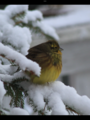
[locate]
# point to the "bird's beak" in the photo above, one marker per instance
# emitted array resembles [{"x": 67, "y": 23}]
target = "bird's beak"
[{"x": 61, "y": 49}]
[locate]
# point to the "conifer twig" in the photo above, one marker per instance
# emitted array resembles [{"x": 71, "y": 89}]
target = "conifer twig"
[
  {"x": 7, "y": 58},
  {"x": 70, "y": 109}
]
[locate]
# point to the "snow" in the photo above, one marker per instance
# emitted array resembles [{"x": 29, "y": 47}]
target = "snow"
[
  {"x": 55, "y": 102},
  {"x": 19, "y": 38},
  {"x": 48, "y": 30},
  {"x": 8, "y": 69},
  {"x": 78, "y": 16},
  {"x": 58, "y": 96},
  {"x": 18, "y": 111},
  {"x": 9, "y": 78},
  {"x": 9, "y": 12},
  {"x": 2, "y": 71},
  {"x": 2, "y": 92},
  {"x": 27, "y": 107},
  {"x": 23, "y": 62},
  {"x": 36, "y": 96},
  {"x": 6, "y": 101},
  {"x": 4, "y": 20},
  {"x": 15, "y": 9},
  {"x": 33, "y": 16}
]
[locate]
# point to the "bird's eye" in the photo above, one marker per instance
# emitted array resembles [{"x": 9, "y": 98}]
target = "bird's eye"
[{"x": 52, "y": 47}]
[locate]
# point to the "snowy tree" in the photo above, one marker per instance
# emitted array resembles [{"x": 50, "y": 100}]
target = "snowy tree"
[{"x": 17, "y": 95}]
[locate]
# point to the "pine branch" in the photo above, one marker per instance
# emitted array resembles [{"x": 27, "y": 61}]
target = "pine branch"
[
  {"x": 17, "y": 94},
  {"x": 34, "y": 29},
  {"x": 1, "y": 112},
  {"x": 7, "y": 58},
  {"x": 35, "y": 107},
  {"x": 18, "y": 17},
  {"x": 42, "y": 111},
  {"x": 4, "y": 111},
  {"x": 71, "y": 110},
  {"x": 32, "y": 104},
  {"x": 7, "y": 43},
  {"x": 18, "y": 80}
]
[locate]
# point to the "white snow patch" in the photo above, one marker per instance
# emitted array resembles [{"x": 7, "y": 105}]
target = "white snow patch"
[
  {"x": 8, "y": 69},
  {"x": 36, "y": 97},
  {"x": 18, "y": 111},
  {"x": 33, "y": 16},
  {"x": 19, "y": 37},
  {"x": 3, "y": 21},
  {"x": 9, "y": 78},
  {"x": 2, "y": 92},
  {"x": 6, "y": 101},
  {"x": 57, "y": 105},
  {"x": 27, "y": 106}
]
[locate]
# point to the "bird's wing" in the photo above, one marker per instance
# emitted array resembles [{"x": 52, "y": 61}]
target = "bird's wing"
[{"x": 39, "y": 56}]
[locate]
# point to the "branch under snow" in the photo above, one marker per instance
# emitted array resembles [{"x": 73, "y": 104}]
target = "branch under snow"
[
  {"x": 22, "y": 61},
  {"x": 33, "y": 16},
  {"x": 10, "y": 78},
  {"x": 16, "y": 9},
  {"x": 59, "y": 96},
  {"x": 19, "y": 38}
]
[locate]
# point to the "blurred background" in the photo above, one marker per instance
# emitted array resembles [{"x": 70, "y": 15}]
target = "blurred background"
[{"x": 72, "y": 24}]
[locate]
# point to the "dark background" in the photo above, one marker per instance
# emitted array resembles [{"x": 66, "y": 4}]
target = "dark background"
[{"x": 31, "y": 7}]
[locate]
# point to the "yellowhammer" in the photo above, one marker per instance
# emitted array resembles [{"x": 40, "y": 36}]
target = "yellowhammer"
[{"x": 48, "y": 55}]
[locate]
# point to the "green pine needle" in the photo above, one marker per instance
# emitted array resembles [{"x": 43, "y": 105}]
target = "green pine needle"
[{"x": 17, "y": 94}]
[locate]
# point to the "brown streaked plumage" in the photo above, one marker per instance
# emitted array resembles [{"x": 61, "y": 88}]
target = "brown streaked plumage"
[{"x": 48, "y": 55}]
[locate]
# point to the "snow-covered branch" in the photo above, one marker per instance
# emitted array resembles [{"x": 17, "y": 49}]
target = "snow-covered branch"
[
  {"x": 22, "y": 61},
  {"x": 48, "y": 30},
  {"x": 12, "y": 10},
  {"x": 33, "y": 16},
  {"x": 59, "y": 96}
]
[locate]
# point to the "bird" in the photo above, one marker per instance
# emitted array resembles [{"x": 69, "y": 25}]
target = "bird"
[{"x": 49, "y": 57}]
